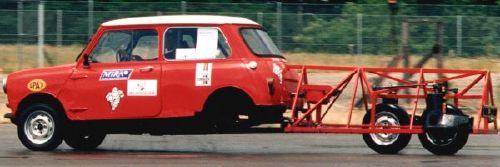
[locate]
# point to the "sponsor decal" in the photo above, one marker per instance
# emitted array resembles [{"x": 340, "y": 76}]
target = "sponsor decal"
[
  {"x": 142, "y": 87},
  {"x": 121, "y": 74},
  {"x": 114, "y": 97},
  {"x": 203, "y": 75},
  {"x": 278, "y": 71},
  {"x": 36, "y": 85}
]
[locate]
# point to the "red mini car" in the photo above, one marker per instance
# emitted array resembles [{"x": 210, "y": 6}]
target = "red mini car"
[{"x": 157, "y": 75}]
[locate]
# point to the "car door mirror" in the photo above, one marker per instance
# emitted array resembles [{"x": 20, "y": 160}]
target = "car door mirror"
[{"x": 86, "y": 61}]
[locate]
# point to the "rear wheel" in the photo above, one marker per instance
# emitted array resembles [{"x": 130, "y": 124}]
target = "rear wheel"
[
  {"x": 229, "y": 121},
  {"x": 446, "y": 141},
  {"x": 387, "y": 143},
  {"x": 224, "y": 109},
  {"x": 40, "y": 128}
]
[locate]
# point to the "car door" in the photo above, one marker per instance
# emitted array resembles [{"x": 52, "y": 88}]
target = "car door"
[
  {"x": 196, "y": 63},
  {"x": 122, "y": 78}
]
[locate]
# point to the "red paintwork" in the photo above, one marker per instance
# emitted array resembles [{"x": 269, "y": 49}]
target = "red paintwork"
[
  {"x": 317, "y": 96},
  {"x": 83, "y": 95}
]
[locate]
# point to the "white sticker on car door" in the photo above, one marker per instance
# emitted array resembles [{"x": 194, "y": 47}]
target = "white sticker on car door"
[
  {"x": 114, "y": 97},
  {"x": 137, "y": 87},
  {"x": 203, "y": 74}
]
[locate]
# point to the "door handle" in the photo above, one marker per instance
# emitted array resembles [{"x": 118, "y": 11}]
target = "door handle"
[
  {"x": 146, "y": 69},
  {"x": 78, "y": 76}
]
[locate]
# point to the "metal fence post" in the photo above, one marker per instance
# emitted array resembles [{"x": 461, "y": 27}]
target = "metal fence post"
[
  {"x": 183, "y": 7},
  {"x": 359, "y": 19},
  {"x": 41, "y": 40},
  {"x": 459, "y": 35},
  {"x": 59, "y": 28},
  {"x": 439, "y": 42},
  {"x": 279, "y": 26},
  {"x": 300, "y": 15},
  {"x": 20, "y": 19},
  {"x": 260, "y": 18},
  {"x": 91, "y": 18}
]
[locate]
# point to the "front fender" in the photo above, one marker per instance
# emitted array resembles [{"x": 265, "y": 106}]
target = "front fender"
[{"x": 22, "y": 84}]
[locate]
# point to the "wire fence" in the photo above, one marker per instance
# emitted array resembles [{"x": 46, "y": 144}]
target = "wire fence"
[{"x": 295, "y": 27}]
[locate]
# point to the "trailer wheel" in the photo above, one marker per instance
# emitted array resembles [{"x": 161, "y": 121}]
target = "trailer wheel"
[
  {"x": 84, "y": 141},
  {"x": 444, "y": 144},
  {"x": 40, "y": 128},
  {"x": 387, "y": 143}
]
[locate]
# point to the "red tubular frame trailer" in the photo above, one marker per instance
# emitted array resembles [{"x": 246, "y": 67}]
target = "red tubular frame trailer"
[{"x": 309, "y": 100}]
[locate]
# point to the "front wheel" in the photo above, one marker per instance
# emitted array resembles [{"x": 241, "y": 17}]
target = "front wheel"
[
  {"x": 40, "y": 128},
  {"x": 387, "y": 143},
  {"x": 84, "y": 141}
]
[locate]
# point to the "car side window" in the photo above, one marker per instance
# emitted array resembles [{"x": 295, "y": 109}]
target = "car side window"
[
  {"x": 124, "y": 46},
  {"x": 146, "y": 47},
  {"x": 195, "y": 43}
]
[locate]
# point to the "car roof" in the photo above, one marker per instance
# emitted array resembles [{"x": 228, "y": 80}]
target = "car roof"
[{"x": 179, "y": 19}]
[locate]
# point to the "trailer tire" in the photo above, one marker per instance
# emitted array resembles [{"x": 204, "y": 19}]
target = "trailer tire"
[
  {"x": 40, "y": 127},
  {"x": 387, "y": 143},
  {"x": 444, "y": 146}
]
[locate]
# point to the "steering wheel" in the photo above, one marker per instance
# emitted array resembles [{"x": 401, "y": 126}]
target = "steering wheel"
[
  {"x": 136, "y": 58},
  {"x": 121, "y": 55}
]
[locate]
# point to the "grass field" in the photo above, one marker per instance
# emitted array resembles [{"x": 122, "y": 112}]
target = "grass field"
[
  {"x": 9, "y": 60},
  {"x": 492, "y": 64}
]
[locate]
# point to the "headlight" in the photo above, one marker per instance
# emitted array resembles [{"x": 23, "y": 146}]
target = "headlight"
[{"x": 4, "y": 85}]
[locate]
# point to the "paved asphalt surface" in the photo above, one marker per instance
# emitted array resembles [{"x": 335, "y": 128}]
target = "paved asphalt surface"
[{"x": 243, "y": 150}]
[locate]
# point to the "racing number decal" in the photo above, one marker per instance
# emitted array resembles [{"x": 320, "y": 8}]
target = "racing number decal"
[
  {"x": 203, "y": 74},
  {"x": 36, "y": 85}
]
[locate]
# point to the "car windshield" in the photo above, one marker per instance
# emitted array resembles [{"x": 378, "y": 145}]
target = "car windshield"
[{"x": 260, "y": 43}]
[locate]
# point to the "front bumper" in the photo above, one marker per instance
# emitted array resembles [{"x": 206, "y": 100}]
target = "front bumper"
[{"x": 10, "y": 116}]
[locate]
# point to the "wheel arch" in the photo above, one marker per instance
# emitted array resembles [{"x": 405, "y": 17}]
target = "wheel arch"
[
  {"x": 228, "y": 91},
  {"x": 44, "y": 98},
  {"x": 229, "y": 94}
]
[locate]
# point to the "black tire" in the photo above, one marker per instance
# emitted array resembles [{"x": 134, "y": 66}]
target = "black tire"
[
  {"x": 395, "y": 142},
  {"x": 285, "y": 122},
  {"x": 84, "y": 140},
  {"x": 40, "y": 127},
  {"x": 448, "y": 144},
  {"x": 203, "y": 123},
  {"x": 224, "y": 109}
]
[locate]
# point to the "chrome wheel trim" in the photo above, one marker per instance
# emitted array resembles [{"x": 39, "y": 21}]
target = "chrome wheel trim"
[
  {"x": 39, "y": 127},
  {"x": 385, "y": 119}
]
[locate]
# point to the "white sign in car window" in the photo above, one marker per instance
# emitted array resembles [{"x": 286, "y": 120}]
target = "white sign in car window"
[
  {"x": 183, "y": 54},
  {"x": 206, "y": 43}
]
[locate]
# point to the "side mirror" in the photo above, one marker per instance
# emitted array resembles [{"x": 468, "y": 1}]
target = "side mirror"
[{"x": 86, "y": 61}]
